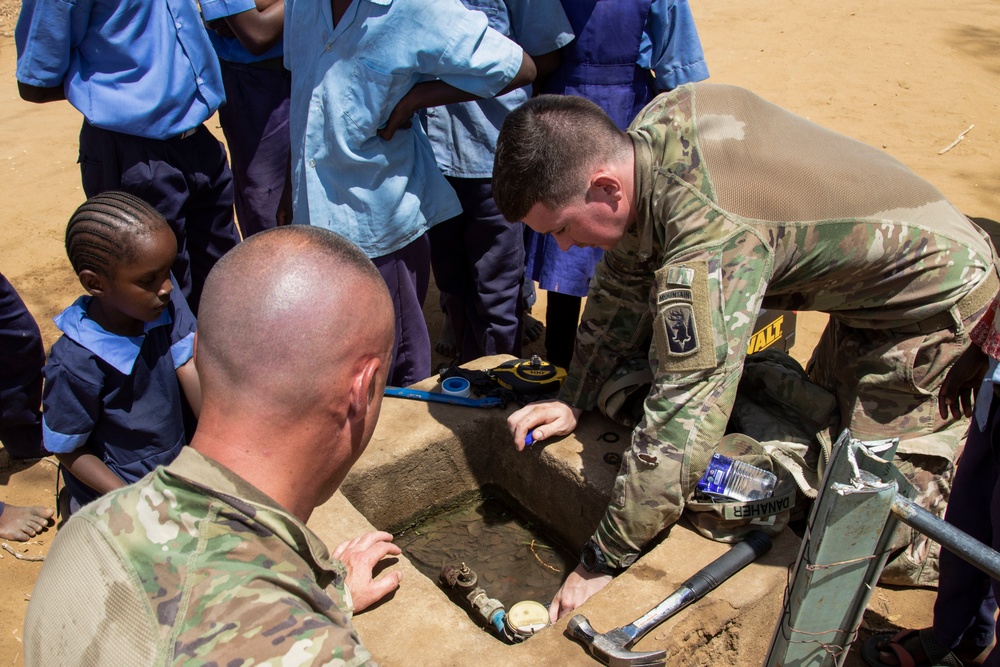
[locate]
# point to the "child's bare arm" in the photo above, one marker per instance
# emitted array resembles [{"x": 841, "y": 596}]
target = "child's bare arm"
[
  {"x": 437, "y": 93},
  {"x": 90, "y": 470},
  {"x": 40, "y": 95},
  {"x": 258, "y": 29},
  {"x": 187, "y": 376},
  {"x": 547, "y": 63}
]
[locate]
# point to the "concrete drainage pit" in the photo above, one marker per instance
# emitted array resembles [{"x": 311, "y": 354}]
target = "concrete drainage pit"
[
  {"x": 492, "y": 559},
  {"x": 428, "y": 455}
]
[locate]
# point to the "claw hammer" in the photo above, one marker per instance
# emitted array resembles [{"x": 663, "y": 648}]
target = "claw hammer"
[{"x": 613, "y": 647}]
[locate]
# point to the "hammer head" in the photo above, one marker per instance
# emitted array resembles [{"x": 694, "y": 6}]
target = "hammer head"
[{"x": 611, "y": 647}]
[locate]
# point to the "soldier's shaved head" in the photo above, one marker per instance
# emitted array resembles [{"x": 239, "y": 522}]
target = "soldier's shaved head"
[
  {"x": 546, "y": 150},
  {"x": 293, "y": 348},
  {"x": 286, "y": 312}
]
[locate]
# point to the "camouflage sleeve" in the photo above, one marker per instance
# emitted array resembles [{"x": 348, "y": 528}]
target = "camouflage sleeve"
[
  {"x": 705, "y": 304},
  {"x": 261, "y": 622},
  {"x": 616, "y": 323}
]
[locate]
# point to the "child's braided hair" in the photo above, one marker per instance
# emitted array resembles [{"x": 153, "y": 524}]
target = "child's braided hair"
[{"x": 103, "y": 231}]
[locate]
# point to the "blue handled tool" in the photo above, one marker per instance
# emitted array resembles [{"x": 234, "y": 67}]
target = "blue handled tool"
[{"x": 432, "y": 397}]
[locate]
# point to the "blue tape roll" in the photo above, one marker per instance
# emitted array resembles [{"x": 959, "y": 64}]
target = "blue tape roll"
[{"x": 456, "y": 386}]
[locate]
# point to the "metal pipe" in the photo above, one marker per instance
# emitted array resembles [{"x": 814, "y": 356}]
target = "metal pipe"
[{"x": 961, "y": 544}]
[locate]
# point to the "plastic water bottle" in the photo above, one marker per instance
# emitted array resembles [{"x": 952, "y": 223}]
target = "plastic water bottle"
[{"x": 736, "y": 480}]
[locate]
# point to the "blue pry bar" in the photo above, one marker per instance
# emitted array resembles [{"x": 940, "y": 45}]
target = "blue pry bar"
[{"x": 433, "y": 397}]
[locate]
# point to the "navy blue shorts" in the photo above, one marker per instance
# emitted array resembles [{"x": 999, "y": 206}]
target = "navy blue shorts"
[
  {"x": 20, "y": 376},
  {"x": 187, "y": 179}
]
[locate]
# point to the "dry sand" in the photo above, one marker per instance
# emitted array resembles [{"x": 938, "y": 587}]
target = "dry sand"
[{"x": 907, "y": 76}]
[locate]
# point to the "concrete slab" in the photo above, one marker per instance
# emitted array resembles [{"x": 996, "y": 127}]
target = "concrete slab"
[{"x": 425, "y": 454}]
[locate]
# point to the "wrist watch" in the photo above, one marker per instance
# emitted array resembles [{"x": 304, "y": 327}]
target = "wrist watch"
[{"x": 592, "y": 559}]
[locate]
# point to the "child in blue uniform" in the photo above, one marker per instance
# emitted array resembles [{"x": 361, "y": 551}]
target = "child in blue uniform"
[
  {"x": 111, "y": 404},
  {"x": 476, "y": 256},
  {"x": 20, "y": 397},
  {"x": 361, "y": 166},
  {"x": 146, "y": 78},
  {"x": 624, "y": 54},
  {"x": 255, "y": 115}
]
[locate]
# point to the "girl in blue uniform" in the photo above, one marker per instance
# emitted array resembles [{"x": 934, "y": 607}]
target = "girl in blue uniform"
[
  {"x": 112, "y": 404},
  {"x": 625, "y": 52}
]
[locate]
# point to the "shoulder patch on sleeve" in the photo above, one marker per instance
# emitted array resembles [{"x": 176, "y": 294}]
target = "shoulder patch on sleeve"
[
  {"x": 681, "y": 329},
  {"x": 683, "y": 325}
]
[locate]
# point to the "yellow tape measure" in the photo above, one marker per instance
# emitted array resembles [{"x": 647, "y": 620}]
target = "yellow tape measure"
[{"x": 530, "y": 376}]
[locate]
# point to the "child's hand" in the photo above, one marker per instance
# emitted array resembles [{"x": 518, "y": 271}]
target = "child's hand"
[{"x": 400, "y": 118}]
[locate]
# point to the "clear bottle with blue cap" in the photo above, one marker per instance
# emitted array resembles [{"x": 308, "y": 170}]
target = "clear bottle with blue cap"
[{"x": 732, "y": 479}]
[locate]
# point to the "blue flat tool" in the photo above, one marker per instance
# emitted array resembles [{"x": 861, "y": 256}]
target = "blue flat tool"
[{"x": 433, "y": 397}]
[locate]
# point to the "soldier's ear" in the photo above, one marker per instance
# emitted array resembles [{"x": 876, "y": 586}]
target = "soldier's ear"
[
  {"x": 365, "y": 392},
  {"x": 605, "y": 186}
]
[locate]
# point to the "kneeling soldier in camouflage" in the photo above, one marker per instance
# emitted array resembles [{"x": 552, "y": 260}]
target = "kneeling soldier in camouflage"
[{"x": 715, "y": 204}]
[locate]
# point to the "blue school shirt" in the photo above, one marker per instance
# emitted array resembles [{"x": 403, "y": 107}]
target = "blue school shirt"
[
  {"x": 229, "y": 48},
  {"x": 382, "y": 195},
  {"x": 464, "y": 136},
  {"x": 118, "y": 396},
  {"x": 134, "y": 66},
  {"x": 670, "y": 45}
]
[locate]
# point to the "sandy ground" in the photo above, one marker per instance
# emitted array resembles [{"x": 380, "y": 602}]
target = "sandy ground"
[{"x": 907, "y": 76}]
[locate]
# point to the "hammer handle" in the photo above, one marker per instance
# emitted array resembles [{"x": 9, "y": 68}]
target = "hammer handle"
[
  {"x": 702, "y": 582},
  {"x": 756, "y": 544}
]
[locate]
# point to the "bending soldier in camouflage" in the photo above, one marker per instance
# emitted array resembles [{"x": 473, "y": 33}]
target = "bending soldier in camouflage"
[
  {"x": 209, "y": 561},
  {"x": 714, "y": 204}
]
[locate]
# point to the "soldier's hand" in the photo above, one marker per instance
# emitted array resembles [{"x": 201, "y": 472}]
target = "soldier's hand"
[
  {"x": 576, "y": 590},
  {"x": 960, "y": 385},
  {"x": 361, "y": 555},
  {"x": 543, "y": 419}
]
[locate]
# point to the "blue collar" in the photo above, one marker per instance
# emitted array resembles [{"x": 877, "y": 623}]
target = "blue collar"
[{"x": 119, "y": 351}]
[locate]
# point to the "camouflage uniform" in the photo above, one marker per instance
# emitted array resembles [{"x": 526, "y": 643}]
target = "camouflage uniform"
[
  {"x": 742, "y": 205},
  {"x": 191, "y": 565}
]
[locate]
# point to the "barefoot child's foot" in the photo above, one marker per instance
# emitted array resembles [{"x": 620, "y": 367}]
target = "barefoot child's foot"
[{"x": 22, "y": 523}]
